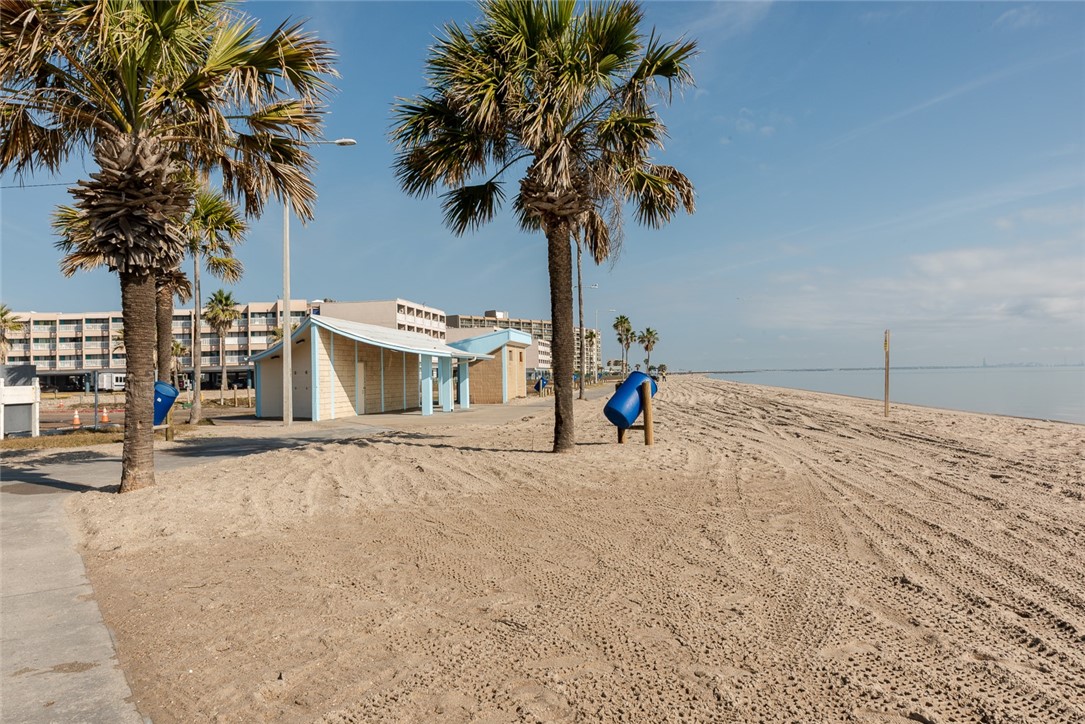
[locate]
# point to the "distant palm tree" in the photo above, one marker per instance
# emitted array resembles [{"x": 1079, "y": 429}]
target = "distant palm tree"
[
  {"x": 624, "y": 329},
  {"x": 178, "y": 350},
  {"x": 8, "y": 324},
  {"x": 167, "y": 285},
  {"x": 592, "y": 337},
  {"x": 222, "y": 312},
  {"x": 570, "y": 100},
  {"x": 276, "y": 334},
  {"x": 154, "y": 90},
  {"x": 648, "y": 339},
  {"x": 213, "y": 226}
]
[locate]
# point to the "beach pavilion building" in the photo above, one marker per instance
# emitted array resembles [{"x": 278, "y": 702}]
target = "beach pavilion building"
[
  {"x": 500, "y": 372},
  {"x": 343, "y": 368}
]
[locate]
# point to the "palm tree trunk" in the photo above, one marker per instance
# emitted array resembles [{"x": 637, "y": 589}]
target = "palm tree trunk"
[
  {"x": 560, "y": 263},
  {"x": 164, "y": 331},
  {"x": 138, "y": 311},
  {"x": 197, "y": 352},
  {"x": 580, "y": 304}
]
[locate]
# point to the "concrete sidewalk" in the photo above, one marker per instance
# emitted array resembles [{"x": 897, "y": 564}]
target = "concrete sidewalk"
[{"x": 57, "y": 658}]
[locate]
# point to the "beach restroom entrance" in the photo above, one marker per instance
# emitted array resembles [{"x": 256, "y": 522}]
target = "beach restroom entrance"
[{"x": 344, "y": 369}]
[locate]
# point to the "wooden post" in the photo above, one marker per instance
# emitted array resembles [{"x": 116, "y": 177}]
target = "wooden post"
[
  {"x": 35, "y": 410},
  {"x": 621, "y": 435},
  {"x": 169, "y": 425},
  {"x": 887, "y": 373},
  {"x": 646, "y": 406}
]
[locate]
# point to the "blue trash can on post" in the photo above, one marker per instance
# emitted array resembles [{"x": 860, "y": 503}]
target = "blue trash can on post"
[
  {"x": 624, "y": 407},
  {"x": 165, "y": 395}
]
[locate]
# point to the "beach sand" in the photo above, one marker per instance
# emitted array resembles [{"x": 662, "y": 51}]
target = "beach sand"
[{"x": 775, "y": 556}]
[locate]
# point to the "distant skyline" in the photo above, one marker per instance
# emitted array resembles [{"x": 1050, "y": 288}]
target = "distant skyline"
[{"x": 858, "y": 166}]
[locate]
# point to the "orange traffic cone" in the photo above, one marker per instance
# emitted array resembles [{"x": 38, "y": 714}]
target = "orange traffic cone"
[
  {"x": 104, "y": 418},
  {"x": 75, "y": 419}
]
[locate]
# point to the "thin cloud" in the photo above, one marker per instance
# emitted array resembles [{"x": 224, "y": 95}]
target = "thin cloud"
[
  {"x": 1039, "y": 284},
  {"x": 949, "y": 95},
  {"x": 720, "y": 21},
  {"x": 1018, "y": 18}
]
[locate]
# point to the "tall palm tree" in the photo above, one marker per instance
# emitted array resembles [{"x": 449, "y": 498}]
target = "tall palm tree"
[
  {"x": 592, "y": 338},
  {"x": 624, "y": 329},
  {"x": 569, "y": 99},
  {"x": 178, "y": 350},
  {"x": 648, "y": 339},
  {"x": 8, "y": 324},
  {"x": 213, "y": 227},
  {"x": 167, "y": 285},
  {"x": 222, "y": 312},
  {"x": 153, "y": 90}
]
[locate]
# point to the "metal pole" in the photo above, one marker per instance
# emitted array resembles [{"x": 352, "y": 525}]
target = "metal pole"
[
  {"x": 598, "y": 346},
  {"x": 887, "y": 373},
  {"x": 288, "y": 387}
]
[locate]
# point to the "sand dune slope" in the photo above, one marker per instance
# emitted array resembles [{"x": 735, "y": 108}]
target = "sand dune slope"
[{"x": 776, "y": 556}]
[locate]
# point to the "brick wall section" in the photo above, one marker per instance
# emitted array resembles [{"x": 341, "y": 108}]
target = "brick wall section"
[
  {"x": 517, "y": 372},
  {"x": 397, "y": 366},
  {"x": 394, "y": 372},
  {"x": 343, "y": 379},
  {"x": 485, "y": 376}
]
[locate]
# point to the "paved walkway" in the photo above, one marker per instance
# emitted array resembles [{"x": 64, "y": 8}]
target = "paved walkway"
[{"x": 57, "y": 657}]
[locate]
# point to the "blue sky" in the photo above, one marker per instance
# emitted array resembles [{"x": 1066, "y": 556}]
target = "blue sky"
[{"x": 859, "y": 166}]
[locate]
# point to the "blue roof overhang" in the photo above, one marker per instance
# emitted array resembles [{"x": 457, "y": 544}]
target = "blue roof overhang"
[
  {"x": 485, "y": 343},
  {"x": 392, "y": 339}
]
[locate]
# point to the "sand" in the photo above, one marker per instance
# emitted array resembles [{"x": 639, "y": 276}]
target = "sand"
[{"x": 775, "y": 556}]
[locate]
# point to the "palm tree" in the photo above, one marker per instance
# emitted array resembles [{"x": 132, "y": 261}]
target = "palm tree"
[
  {"x": 154, "y": 90},
  {"x": 8, "y": 324},
  {"x": 222, "y": 312},
  {"x": 213, "y": 227},
  {"x": 592, "y": 336},
  {"x": 276, "y": 333},
  {"x": 167, "y": 285},
  {"x": 624, "y": 329},
  {"x": 177, "y": 350},
  {"x": 648, "y": 339},
  {"x": 570, "y": 100}
]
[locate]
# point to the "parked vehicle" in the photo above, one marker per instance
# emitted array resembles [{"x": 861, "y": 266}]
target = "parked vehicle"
[{"x": 111, "y": 381}]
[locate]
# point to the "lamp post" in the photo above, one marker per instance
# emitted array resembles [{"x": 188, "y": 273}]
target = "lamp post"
[
  {"x": 601, "y": 338},
  {"x": 288, "y": 343},
  {"x": 597, "y": 357}
]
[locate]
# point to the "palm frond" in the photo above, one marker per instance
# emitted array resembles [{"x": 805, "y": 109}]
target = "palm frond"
[{"x": 468, "y": 207}]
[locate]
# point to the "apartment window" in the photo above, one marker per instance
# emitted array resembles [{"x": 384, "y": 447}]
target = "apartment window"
[
  {"x": 17, "y": 360},
  {"x": 521, "y": 355},
  {"x": 115, "y": 320},
  {"x": 69, "y": 323},
  {"x": 38, "y": 323}
]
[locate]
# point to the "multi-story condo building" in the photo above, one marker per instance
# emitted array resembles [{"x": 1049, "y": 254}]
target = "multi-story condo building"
[
  {"x": 392, "y": 313},
  {"x": 66, "y": 346},
  {"x": 542, "y": 329}
]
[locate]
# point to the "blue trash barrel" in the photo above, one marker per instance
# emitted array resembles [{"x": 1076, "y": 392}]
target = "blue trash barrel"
[
  {"x": 165, "y": 395},
  {"x": 623, "y": 409}
]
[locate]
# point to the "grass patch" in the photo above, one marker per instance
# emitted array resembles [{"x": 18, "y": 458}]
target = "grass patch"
[{"x": 81, "y": 438}]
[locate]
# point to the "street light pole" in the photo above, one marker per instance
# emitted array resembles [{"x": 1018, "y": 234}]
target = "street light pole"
[{"x": 288, "y": 342}]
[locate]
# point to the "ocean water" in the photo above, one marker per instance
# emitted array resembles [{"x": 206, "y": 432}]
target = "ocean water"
[{"x": 1046, "y": 393}]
